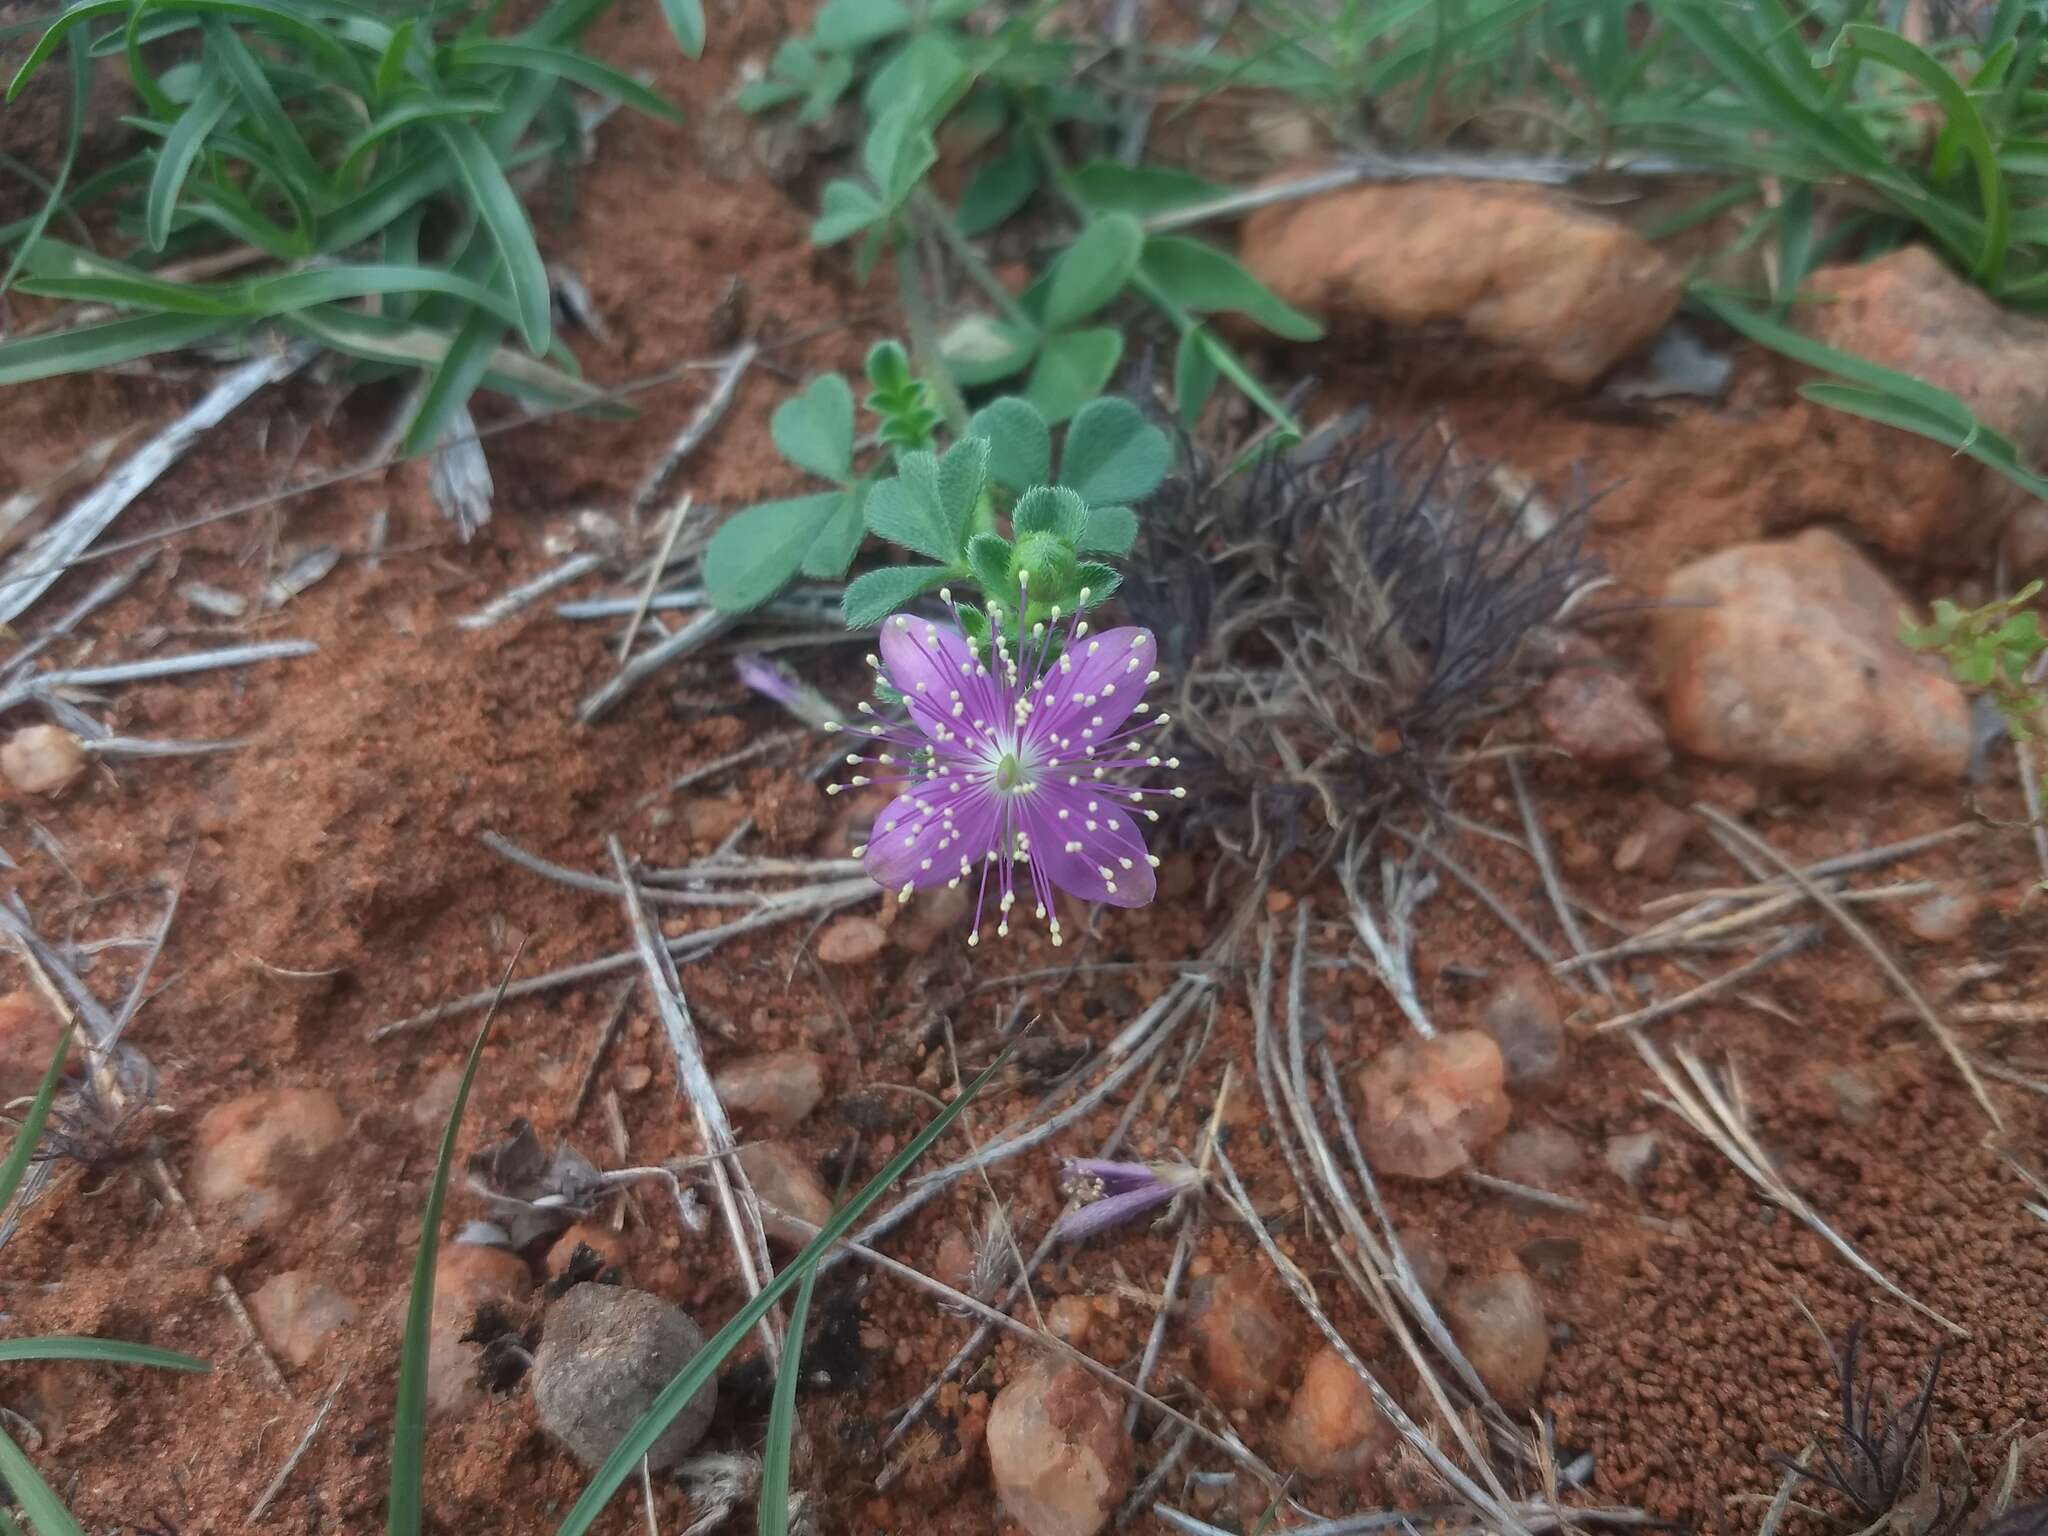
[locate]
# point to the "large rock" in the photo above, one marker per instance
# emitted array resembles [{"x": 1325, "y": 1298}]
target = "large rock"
[
  {"x": 1432, "y": 1105},
  {"x": 1912, "y": 312},
  {"x": 777, "y": 1088},
  {"x": 1520, "y": 267},
  {"x": 262, "y": 1158},
  {"x": 606, "y": 1353},
  {"x": 1785, "y": 655},
  {"x": 1057, "y": 1451}
]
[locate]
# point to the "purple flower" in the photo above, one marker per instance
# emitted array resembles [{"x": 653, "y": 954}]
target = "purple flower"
[
  {"x": 1111, "y": 1193},
  {"x": 1021, "y": 762},
  {"x": 774, "y": 681}
]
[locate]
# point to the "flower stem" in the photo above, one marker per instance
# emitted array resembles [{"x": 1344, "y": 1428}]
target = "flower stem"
[
  {"x": 978, "y": 271},
  {"x": 924, "y": 340}
]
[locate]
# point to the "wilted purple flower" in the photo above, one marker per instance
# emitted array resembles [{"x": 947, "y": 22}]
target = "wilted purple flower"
[
  {"x": 772, "y": 680},
  {"x": 1111, "y": 1193},
  {"x": 1019, "y": 762}
]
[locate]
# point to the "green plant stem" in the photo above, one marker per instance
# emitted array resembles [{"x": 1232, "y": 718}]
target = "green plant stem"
[
  {"x": 924, "y": 340},
  {"x": 978, "y": 271}
]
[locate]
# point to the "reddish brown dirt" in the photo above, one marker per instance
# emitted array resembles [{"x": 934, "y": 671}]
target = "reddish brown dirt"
[{"x": 343, "y": 846}]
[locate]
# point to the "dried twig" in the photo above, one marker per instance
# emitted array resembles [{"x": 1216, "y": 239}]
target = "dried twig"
[
  {"x": 671, "y": 531},
  {"x": 1863, "y": 936},
  {"x": 46, "y": 683},
  {"x": 1798, "y": 939},
  {"x": 291, "y": 1462},
  {"x": 1402, "y": 891},
  {"x": 730, "y": 370},
  {"x": 700, "y": 631},
  {"x": 512, "y": 599}
]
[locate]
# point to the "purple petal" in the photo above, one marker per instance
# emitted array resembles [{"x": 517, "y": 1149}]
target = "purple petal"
[
  {"x": 1113, "y": 1175},
  {"x": 922, "y": 836},
  {"x": 766, "y": 679},
  {"x": 1088, "y": 701},
  {"x": 1087, "y": 1220},
  {"x": 928, "y": 664},
  {"x": 1111, "y": 864}
]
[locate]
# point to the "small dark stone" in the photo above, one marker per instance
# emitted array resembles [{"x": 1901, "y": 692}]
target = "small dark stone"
[{"x": 604, "y": 1357}]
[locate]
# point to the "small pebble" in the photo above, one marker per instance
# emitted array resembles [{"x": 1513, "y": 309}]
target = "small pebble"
[
  {"x": 1653, "y": 847},
  {"x": 41, "y": 759},
  {"x": 1543, "y": 1156},
  {"x": 1070, "y": 1318},
  {"x": 260, "y": 1158},
  {"x": 1243, "y": 1339},
  {"x": 605, "y": 1354},
  {"x": 1632, "y": 1157},
  {"x": 1425, "y": 1257},
  {"x": 783, "y": 1177},
  {"x": 1332, "y": 1429},
  {"x": 777, "y": 1088},
  {"x": 435, "y": 1099},
  {"x": 931, "y": 917},
  {"x": 1057, "y": 1451},
  {"x": 466, "y": 1276},
  {"x": 1857, "y": 1097},
  {"x": 1498, "y": 1322},
  {"x": 634, "y": 1076},
  {"x": 1522, "y": 1017},
  {"x": 1430, "y": 1105},
  {"x": 1944, "y": 917},
  {"x": 296, "y": 1312},
  {"x": 851, "y": 940}
]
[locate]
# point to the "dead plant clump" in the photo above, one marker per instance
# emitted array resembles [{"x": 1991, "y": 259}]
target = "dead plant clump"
[{"x": 1340, "y": 620}]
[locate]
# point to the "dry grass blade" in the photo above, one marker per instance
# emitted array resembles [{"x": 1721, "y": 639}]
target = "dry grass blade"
[
  {"x": 1713, "y": 987},
  {"x": 1705, "y": 1106},
  {"x": 1863, "y": 936},
  {"x": 1402, "y": 891}
]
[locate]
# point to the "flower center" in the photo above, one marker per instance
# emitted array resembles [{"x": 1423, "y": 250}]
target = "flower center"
[{"x": 1012, "y": 777}]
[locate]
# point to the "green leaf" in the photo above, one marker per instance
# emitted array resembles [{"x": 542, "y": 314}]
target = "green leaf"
[
  {"x": 75, "y": 16},
  {"x": 872, "y": 597},
  {"x": 844, "y": 25},
  {"x": 453, "y": 381},
  {"x": 1019, "y": 443},
  {"x": 253, "y": 86},
  {"x": 754, "y": 554},
  {"x": 1093, "y": 270},
  {"x": 832, "y": 551},
  {"x": 1054, "y": 509},
  {"x": 992, "y": 559},
  {"x": 74, "y": 125},
  {"x": 1110, "y": 531},
  {"x": 685, "y": 19},
  {"x": 45, "y": 1511},
  {"x": 98, "y": 1352},
  {"x": 963, "y": 476},
  {"x": 86, "y": 347},
  {"x": 814, "y": 430},
  {"x": 264, "y": 297},
  {"x": 23, "y": 1151},
  {"x": 409, "y": 1414},
  {"x": 569, "y": 64},
  {"x": 1113, "y": 453},
  {"x": 174, "y": 160},
  {"x": 980, "y": 349},
  {"x": 773, "y": 1500},
  {"x": 1099, "y": 581},
  {"x": 897, "y": 152},
  {"x": 640, "y": 1439},
  {"x": 1071, "y": 370},
  {"x": 1000, "y": 188},
  {"x": 391, "y": 67},
  {"x": 1194, "y": 375},
  {"x": 1202, "y": 278},
  {"x": 498, "y": 205},
  {"x": 845, "y": 209},
  {"x": 1109, "y": 186}
]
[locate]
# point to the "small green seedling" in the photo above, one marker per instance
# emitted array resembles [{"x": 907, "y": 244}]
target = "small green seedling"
[{"x": 1990, "y": 649}]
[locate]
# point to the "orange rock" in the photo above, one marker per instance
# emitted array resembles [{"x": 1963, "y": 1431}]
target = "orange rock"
[
  {"x": 783, "y": 1177},
  {"x": 1243, "y": 1339},
  {"x": 776, "y": 1088},
  {"x": 1498, "y": 1322},
  {"x": 466, "y": 1276},
  {"x": 1332, "y": 1429},
  {"x": 612, "y": 1248},
  {"x": 1057, "y": 1451},
  {"x": 42, "y": 759},
  {"x": 297, "y": 1312},
  {"x": 851, "y": 940},
  {"x": 263, "y": 1157},
  {"x": 1431, "y": 1105}
]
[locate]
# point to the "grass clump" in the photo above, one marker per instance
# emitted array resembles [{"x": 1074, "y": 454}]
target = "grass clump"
[{"x": 359, "y": 166}]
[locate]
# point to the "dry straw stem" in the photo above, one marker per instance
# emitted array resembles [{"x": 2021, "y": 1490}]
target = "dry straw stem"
[
  {"x": 1402, "y": 891},
  {"x": 291, "y": 1462},
  {"x": 510, "y": 601},
  {"x": 693, "y": 1080},
  {"x": 1863, "y": 936},
  {"x": 700, "y": 631},
  {"x": 1722, "y": 1118},
  {"x": 1798, "y": 939},
  {"x": 671, "y": 530},
  {"x": 731, "y": 368}
]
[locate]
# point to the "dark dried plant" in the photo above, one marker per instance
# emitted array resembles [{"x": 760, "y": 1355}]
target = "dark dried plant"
[
  {"x": 1338, "y": 618},
  {"x": 1882, "y": 1464}
]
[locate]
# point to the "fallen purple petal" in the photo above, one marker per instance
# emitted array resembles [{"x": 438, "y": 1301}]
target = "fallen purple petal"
[{"x": 1098, "y": 1216}]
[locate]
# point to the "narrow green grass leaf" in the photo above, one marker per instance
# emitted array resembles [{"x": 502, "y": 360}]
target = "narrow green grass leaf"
[
  {"x": 46, "y": 45},
  {"x": 774, "y": 1499},
  {"x": 499, "y": 207},
  {"x": 264, "y": 297},
  {"x": 620, "y": 1464},
  {"x": 81, "y": 83},
  {"x": 1963, "y": 122},
  {"x": 391, "y": 68},
  {"x": 1980, "y": 442},
  {"x": 87, "y": 347},
  {"x": 469, "y": 358},
  {"x": 174, "y": 160},
  {"x": 23, "y": 1151},
  {"x": 99, "y": 1352},
  {"x": 685, "y": 18},
  {"x": 396, "y": 343},
  {"x": 257, "y": 94},
  {"x": 409, "y": 1417},
  {"x": 568, "y": 64},
  {"x": 45, "y": 1511}
]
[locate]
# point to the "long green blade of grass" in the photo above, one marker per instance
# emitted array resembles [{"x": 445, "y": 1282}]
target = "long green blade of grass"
[
  {"x": 620, "y": 1464},
  {"x": 264, "y": 297},
  {"x": 409, "y": 1417},
  {"x": 774, "y": 1500},
  {"x": 498, "y": 205},
  {"x": 46, "y": 1512},
  {"x": 81, "y": 83},
  {"x": 174, "y": 161},
  {"x": 571, "y": 65},
  {"x": 46, "y": 45},
  {"x": 100, "y": 346},
  {"x": 99, "y": 1352},
  {"x": 257, "y": 94},
  {"x": 15, "y": 1169}
]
